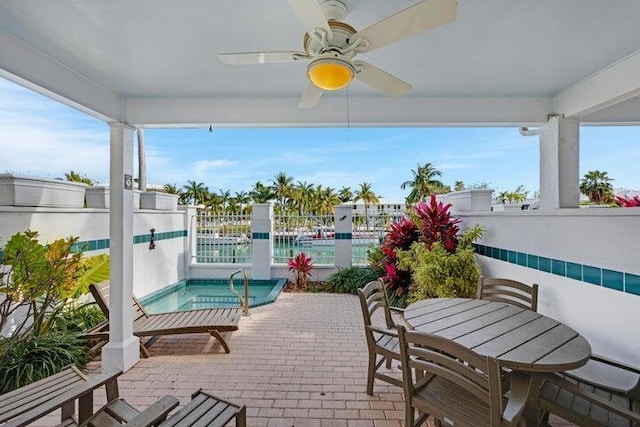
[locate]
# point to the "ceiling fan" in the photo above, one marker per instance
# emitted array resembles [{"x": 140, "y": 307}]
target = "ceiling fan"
[{"x": 330, "y": 45}]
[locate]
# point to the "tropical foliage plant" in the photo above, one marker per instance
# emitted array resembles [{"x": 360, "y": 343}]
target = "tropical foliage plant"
[
  {"x": 348, "y": 280},
  {"x": 301, "y": 266},
  {"x": 33, "y": 357},
  {"x": 628, "y": 202},
  {"x": 429, "y": 234}
]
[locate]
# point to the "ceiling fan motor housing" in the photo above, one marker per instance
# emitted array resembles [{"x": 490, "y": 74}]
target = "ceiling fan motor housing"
[{"x": 342, "y": 37}]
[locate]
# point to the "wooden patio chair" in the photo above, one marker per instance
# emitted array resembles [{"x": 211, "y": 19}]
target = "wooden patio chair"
[
  {"x": 212, "y": 321},
  {"x": 509, "y": 291},
  {"x": 381, "y": 342},
  {"x": 454, "y": 384},
  {"x": 590, "y": 403},
  {"x": 60, "y": 391}
]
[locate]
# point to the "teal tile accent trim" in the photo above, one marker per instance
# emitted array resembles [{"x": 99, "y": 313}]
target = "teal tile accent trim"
[
  {"x": 101, "y": 244},
  {"x": 574, "y": 271},
  {"x": 592, "y": 275},
  {"x": 558, "y": 267},
  {"x": 544, "y": 264},
  {"x": 260, "y": 236},
  {"x": 632, "y": 283},
  {"x": 344, "y": 236},
  {"x": 611, "y": 279}
]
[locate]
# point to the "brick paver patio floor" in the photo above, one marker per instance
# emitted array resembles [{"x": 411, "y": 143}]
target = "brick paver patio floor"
[{"x": 298, "y": 362}]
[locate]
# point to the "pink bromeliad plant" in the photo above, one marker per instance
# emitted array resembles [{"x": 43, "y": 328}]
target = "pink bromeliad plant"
[
  {"x": 301, "y": 266},
  {"x": 628, "y": 202},
  {"x": 424, "y": 243}
]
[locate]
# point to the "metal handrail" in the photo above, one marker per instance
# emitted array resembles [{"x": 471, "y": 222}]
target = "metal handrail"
[{"x": 243, "y": 303}]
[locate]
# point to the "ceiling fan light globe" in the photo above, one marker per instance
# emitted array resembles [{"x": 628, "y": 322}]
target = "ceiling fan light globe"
[{"x": 331, "y": 73}]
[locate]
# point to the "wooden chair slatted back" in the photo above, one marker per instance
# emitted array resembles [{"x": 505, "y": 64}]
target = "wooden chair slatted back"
[
  {"x": 373, "y": 297},
  {"x": 435, "y": 356},
  {"x": 508, "y": 291}
]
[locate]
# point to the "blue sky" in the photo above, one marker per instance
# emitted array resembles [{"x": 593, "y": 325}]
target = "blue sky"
[{"x": 41, "y": 137}]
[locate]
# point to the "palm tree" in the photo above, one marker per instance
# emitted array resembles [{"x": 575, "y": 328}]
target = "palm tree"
[
  {"x": 423, "y": 184},
  {"x": 327, "y": 200},
  {"x": 76, "y": 177},
  {"x": 171, "y": 189},
  {"x": 366, "y": 194},
  {"x": 195, "y": 192},
  {"x": 597, "y": 186},
  {"x": 459, "y": 186},
  {"x": 282, "y": 186},
  {"x": 302, "y": 196},
  {"x": 345, "y": 194},
  {"x": 260, "y": 193},
  {"x": 243, "y": 199},
  {"x": 224, "y": 198}
]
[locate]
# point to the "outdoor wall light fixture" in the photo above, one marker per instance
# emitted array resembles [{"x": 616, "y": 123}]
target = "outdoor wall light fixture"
[
  {"x": 152, "y": 240},
  {"x": 210, "y": 128},
  {"x": 331, "y": 72}
]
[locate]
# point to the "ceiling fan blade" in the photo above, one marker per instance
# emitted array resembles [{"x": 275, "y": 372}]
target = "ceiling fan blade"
[
  {"x": 381, "y": 80},
  {"x": 310, "y": 97},
  {"x": 420, "y": 17},
  {"x": 248, "y": 58},
  {"x": 311, "y": 16}
]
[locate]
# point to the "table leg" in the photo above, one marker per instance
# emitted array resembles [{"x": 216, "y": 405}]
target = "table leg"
[{"x": 532, "y": 410}]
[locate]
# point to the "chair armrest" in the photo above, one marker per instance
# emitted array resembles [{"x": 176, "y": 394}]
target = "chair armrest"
[
  {"x": 397, "y": 309},
  {"x": 518, "y": 396},
  {"x": 383, "y": 331},
  {"x": 155, "y": 413},
  {"x": 591, "y": 397}
]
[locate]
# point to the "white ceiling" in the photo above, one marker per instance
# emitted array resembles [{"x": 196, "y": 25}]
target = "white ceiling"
[{"x": 153, "y": 62}]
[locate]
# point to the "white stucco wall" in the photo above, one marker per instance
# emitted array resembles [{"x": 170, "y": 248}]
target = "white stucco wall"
[
  {"x": 152, "y": 269},
  {"x": 604, "y": 238}
]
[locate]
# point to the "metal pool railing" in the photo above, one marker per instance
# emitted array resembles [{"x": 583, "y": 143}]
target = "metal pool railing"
[
  {"x": 369, "y": 232},
  {"x": 223, "y": 238}
]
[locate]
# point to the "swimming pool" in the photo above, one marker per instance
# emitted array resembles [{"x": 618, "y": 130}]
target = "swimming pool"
[{"x": 192, "y": 294}]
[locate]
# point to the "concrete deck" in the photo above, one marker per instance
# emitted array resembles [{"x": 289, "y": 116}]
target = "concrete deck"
[{"x": 298, "y": 362}]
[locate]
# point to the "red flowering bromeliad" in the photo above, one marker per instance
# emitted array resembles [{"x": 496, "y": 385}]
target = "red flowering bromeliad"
[
  {"x": 429, "y": 222},
  {"x": 301, "y": 265},
  {"x": 628, "y": 202}
]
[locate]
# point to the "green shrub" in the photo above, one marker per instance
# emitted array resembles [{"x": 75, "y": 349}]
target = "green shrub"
[
  {"x": 347, "y": 280},
  {"x": 437, "y": 273},
  {"x": 30, "y": 358},
  {"x": 79, "y": 318}
]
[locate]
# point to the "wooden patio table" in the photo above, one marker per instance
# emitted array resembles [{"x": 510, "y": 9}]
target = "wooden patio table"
[{"x": 522, "y": 340}]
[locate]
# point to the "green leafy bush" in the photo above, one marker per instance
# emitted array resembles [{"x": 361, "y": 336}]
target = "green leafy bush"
[
  {"x": 27, "y": 359},
  {"x": 348, "y": 280},
  {"x": 79, "y": 318},
  {"x": 437, "y": 273}
]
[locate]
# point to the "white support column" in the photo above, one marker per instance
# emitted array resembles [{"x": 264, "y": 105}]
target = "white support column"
[
  {"x": 122, "y": 351},
  {"x": 262, "y": 240},
  {"x": 559, "y": 163},
  {"x": 191, "y": 224},
  {"x": 344, "y": 236}
]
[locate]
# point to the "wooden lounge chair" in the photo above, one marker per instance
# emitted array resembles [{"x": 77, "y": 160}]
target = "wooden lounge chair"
[
  {"x": 509, "y": 291},
  {"x": 212, "y": 321},
  {"x": 380, "y": 341},
  {"x": 207, "y": 410},
  {"x": 593, "y": 404},
  {"x": 60, "y": 391},
  {"x": 450, "y": 382}
]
